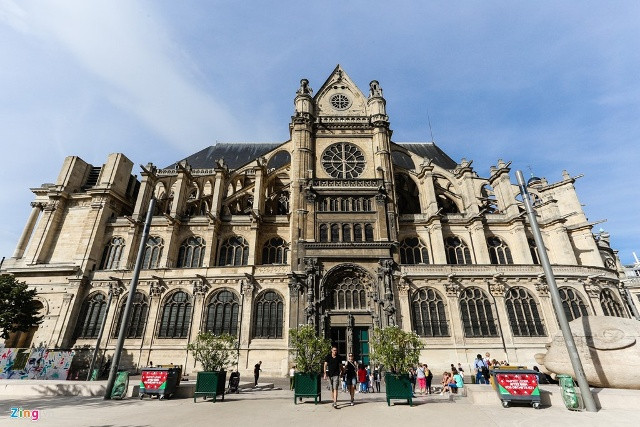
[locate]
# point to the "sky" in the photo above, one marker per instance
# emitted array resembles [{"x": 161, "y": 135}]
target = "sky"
[{"x": 547, "y": 85}]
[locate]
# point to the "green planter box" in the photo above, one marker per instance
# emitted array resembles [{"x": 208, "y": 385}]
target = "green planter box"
[
  {"x": 210, "y": 384},
  {"x": 398, "y": 387},
  {"x": 307, "y": 385}
]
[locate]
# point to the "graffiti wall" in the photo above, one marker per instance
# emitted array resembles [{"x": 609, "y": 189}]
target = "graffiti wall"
[{"x": 42, "y": 364}]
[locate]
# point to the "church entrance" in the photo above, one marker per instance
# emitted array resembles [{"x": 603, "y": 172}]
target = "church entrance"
[{"x": 351, "y": 340}]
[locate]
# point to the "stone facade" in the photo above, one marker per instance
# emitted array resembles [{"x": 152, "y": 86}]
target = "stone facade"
[{"x": 339, "y": 227}]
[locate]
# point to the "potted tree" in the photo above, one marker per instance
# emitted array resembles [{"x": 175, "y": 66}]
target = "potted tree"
[
  {"x": 215, "y": 353},
  {"x": 397, "y": 351},
  {"x": 310, "y": 352}
]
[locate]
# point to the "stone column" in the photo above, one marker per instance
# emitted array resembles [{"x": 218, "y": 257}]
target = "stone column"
[
  {"x": 479, "y": 243},
  {"x": 64, "y": 315},
  {"x": 592, "y": 289},
  {"x": 116, "y": 290},
  {"x": 155, "y": 295},
  {"x": 438, "y": 254},
  {"x": 546, "y": 306},
  {"x": 247, "y": 289},
  {"x": 453, "y": 289},
  {"x": 36, "y": 208},
  {"x": 404, "y": 305},
  {"x": 497, "y": 289}
]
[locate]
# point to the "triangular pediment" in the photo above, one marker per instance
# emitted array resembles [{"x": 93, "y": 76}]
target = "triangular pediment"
[{"x": 339, "y": 96}]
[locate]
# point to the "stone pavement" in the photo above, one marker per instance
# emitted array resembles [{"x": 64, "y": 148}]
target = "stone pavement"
[{"x": 276, "y": 408}]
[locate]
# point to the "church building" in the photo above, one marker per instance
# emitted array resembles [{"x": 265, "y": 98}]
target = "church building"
[{"x": 340, "y": 227}]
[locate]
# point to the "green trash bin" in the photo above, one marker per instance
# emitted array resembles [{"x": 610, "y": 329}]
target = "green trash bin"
[{"x": 571, "y": 397}]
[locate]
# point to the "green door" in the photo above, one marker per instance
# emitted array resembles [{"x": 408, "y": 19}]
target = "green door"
[
  {"x": 361, "y": 344},
  {"x": 339, "y": 339}
]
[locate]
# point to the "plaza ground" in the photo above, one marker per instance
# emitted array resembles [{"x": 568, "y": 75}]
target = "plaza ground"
[{"x": 276, "y": 408}]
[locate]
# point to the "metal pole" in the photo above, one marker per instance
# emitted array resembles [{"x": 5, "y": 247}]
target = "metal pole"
[
  {"x": 95, "y": 350},
  {"x": 574, "y": 357},
  {"x": 132, "y": 290},
  {"x": 630, "y": 302}
]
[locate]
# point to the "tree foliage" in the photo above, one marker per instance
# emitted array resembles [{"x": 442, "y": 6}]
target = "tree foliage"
[
  {"x": 17, "y": 309},
  {"x": 310, "y": 350},
  {"x": 214, "y": 352},
  {"x": 395, "y": 349}
]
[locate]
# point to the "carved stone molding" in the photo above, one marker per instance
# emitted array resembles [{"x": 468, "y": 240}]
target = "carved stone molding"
[
  {"x": 247, "y": 287},
  {"x": 452, "y": 289},
  {"x": 38, "y": 205},
  {"x": 156, "y": 289},
  {"x": 497, "y": 288},
  {"x": 592, "y": 290},
  {"x": 542, "y": 289},
  {"x": 200, "y": 287}
]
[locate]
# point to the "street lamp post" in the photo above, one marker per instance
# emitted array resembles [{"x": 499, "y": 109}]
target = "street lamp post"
[
  {"x": 587, "y": 397},
  {"x": 132, "y": 290}
]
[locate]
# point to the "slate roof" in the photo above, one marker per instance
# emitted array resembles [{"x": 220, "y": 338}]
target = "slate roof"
[
  {"x": 240, "y": 153},
  {"x": 429, "y": 150}
]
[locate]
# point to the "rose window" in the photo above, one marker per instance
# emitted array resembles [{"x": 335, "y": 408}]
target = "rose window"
[
  {"x": 343, "y": 160},
  {"x": 340, "y": 101}
]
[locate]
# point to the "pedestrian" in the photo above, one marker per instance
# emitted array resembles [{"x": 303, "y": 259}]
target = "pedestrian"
[
  {"x": 371, "y": 383},
  {"x": 422, "y": 378},
  {"x": 459, "y": 379},
  {"x": 454, "y": 380},
  {"x": 256, "y": 372},
  {"x": 429, "y": 375},
  {"x": 412, "y": 379},
  {"x": 376, "y": 378},
  {"x": 446, "y": 380},
  {"x": 333, "y": 369},
  {"x": 480, "y": 367},
  {"x": 460, "y": 369},
  {"x": 344, "y": 379},
  {"x": 351, "y": 375},
  {"x": 292, "y": 377},
  {"x": 362, "y": 378}
]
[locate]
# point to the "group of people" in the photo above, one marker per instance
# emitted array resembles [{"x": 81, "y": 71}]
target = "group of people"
[
  {"x": 355, "y": 378},
  {"x": 482, "y": 365}
]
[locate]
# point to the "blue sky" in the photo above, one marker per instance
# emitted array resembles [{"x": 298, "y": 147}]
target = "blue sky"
[{"x": 548, "y": 85}]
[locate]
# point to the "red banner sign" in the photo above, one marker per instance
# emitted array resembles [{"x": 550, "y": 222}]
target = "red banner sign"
[
  {"x": 152, "y": 380},
  {"x": 518, "y": 384}
]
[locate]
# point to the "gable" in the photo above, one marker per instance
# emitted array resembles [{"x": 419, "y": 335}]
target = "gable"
[{"x": 339, "y": 96}]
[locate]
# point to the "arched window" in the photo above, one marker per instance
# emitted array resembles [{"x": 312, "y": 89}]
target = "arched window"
[
  {"x": 234, "y": 251},
  {"x": 137, "y": 316},
  {"x": 413, "y": 251},
  {"x": 275, "y": 251},
  {"x": 349, "y": 294},
  {"x": 477, "y": 315},
  {"x": 112, "y": 254},
  {"x": 346, "y": 232},
  {"x": 535, "y": 257},
  {"x": 191, "y": 253},
  {"x": 523, "y": 314},
  {"x": 429, "y": 318},
  {"x": 269, "y": 316},
  {"x": 368, "y": 233},
  {"x": 324, "y": 233},
  {"x": 222, "y": 313},
  {"x": 457, "y": 251},
  {"x": 91, "y": 316},
  {"x": 335, "y": 232},
  {"x": 176, "y": 316},
  {"x": 357, "y": 232},
  {"x": 499, "y": 252},
  {"x": 407, "y": 195},
  {"x": 610, "y": 306},
  {"x": 152, "y": 252},
  {"x": 574, "y": 306}
]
